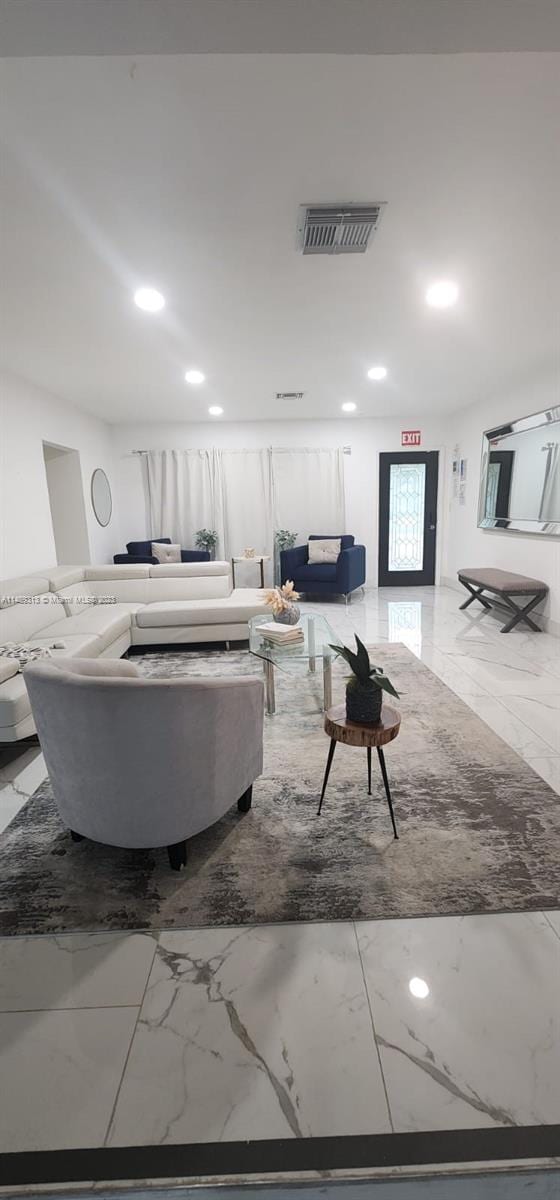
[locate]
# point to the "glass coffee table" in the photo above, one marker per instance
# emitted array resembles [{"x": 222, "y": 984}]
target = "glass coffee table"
[{"x": 317, "y": 636}]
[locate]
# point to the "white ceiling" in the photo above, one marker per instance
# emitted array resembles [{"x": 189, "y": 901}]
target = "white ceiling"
[
  {"x": 186, "y": 172},
  {"x": 29, "y": 27}
]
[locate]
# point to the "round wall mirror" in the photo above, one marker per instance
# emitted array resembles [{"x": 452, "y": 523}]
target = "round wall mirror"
[{"x": 101, "y": 499}]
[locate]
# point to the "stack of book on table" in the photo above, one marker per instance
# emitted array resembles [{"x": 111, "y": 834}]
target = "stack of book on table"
[{"x": 281, "y": 635}]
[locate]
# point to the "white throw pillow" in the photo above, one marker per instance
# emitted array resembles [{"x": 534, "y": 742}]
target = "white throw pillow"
[
  {"x": 323, "y": 550},
  {"x": 166, "y": 553}
]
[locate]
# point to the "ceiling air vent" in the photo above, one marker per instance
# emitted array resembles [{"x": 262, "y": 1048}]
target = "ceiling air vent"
[
  {"x": 289, "y": 395},
  {"x": 338, "y": 228}
]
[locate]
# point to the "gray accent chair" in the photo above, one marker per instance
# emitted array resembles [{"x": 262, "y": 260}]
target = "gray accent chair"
[{"x": 139, "y": 762}]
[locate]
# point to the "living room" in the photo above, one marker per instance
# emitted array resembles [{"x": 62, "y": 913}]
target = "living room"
[{"x": 280, "y": 477}]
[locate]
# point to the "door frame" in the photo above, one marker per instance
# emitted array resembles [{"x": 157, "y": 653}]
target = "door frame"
[
  {"x": 505, "y": 460},
  {"x": 388, "y": 578}
]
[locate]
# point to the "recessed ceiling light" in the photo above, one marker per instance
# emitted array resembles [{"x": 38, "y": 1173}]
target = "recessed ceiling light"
[
  {"x": 149, "y": 299},
  {"x": 442, "y": 294},
  {"x": 419, "y": 988},
  {"x": 194, "y": 377},
  {"x": 377, "y": 373},
  {"x": 348, "y": 406},
  {"x": 215, "y": 410}
]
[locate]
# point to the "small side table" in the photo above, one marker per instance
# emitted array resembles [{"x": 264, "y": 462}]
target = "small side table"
[
  {"x": 350, "y": 733},
  {"x": 256, "y": 558}
]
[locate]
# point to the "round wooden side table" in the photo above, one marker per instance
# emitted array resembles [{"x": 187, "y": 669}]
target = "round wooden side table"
[{"x": 350, "y": 733}]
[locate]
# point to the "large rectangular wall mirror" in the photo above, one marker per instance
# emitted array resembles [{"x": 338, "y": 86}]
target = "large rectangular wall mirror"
[{"x": 520, "y": 475}]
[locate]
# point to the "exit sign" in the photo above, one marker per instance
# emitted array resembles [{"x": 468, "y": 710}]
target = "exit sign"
[{"x": 411, "y": 437}]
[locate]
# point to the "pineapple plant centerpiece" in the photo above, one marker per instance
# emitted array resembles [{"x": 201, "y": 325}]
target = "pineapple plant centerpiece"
[
  {"x": 282, "y": 602},
  {"x": 365, "y": 687}
]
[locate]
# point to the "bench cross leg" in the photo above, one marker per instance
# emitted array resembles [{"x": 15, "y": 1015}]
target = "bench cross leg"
[
  {"x": 521, "y": 614},
  {"x": 474, "y": 595}
]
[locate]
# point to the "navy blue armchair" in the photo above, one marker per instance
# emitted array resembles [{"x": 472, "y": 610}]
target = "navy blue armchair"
[
  {"x": 325, "y": 579},
  {"x": 141, "y": 552}
]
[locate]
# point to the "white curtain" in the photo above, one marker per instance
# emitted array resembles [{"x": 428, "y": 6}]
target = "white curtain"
[
  {"x": 184, "y": 495},
  {"x": 245, "y": 495},
  {"x": 309, "y": 491},
  {"x": 550, "y": 501}
]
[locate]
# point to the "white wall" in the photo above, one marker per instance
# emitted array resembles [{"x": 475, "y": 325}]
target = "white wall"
[
  {"x": 66, "y": 499},
  {"x": 468, "y": 546},
  {"x": 365, "y": 437},
  {"x": 28, "y": 417}
]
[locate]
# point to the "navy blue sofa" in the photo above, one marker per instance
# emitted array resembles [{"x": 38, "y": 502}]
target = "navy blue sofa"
[
  {"x": 326, "y": 579},
  {"x": 141, "y": 552}
]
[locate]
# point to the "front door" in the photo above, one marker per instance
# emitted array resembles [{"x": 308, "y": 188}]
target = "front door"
[{"x": 407, "y": 518}]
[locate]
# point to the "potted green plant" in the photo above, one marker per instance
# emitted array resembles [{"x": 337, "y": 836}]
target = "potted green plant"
[
  {"x": 365, "y": 687},
  {"x": 206, "y": 539},
  {"x": 284, "y": 539}
]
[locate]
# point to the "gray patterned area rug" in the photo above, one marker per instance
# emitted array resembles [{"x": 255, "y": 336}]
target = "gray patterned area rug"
[{"x": 479, "y": 831}]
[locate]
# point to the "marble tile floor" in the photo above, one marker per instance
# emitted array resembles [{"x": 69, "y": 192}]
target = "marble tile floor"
[{"x": 302, "y": 1030}]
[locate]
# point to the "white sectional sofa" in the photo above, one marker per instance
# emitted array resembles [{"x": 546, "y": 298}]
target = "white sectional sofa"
[{"x": 94, "y": 612}]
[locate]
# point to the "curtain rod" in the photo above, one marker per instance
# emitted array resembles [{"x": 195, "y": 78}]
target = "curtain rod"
[{"x": 283, "y": 449}]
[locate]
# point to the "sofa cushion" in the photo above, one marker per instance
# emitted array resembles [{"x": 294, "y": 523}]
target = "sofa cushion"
[
  {"x": 130, "y": 606},
  {"x": 74, "y": 645},
  {"x": 8, "y": 668},
  {"x": 32, "y": 613},
  {"x": 112, "y": 572},
  {"x": 22, "y": 585},
  {"x": 192, "y": 587},
  {"x": 83, "y": 596},
  {"x": 190, "y": 570},
  {"x": 233, "y": 610},
  {"x": 61, "y": 577},
  {"x": 315, "y": 573},
  {"x": 14, "y": 701},
  {"x": 106, "y": 621},
  {"x": 76, "y": 598}
]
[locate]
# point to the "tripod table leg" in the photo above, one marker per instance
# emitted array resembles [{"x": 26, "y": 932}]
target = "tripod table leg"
[
  {"x": 332, "y": 748},
  {"x": 387, "y": 788}
]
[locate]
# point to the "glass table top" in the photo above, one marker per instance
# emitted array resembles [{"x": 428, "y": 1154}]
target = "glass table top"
[{"x": 317, "y": 634}]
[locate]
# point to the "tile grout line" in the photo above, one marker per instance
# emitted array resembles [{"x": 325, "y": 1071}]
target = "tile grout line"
[
  {"x": 549, "y": 922},
  {"x": 498, "y": 700},
  {"x": 544, "y": 753},
  {"x": 132, "y": 1037},
  {"x": 5, "y": 1012},
  {"x": 375, "y": 1042},
  {"x": 554, "y": 752}
]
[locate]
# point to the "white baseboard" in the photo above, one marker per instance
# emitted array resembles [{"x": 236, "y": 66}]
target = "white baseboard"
[{"x": 447, "y": 581}]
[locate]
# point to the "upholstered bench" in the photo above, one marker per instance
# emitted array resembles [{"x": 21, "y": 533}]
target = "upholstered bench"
[{"x": 503, "y": 586}]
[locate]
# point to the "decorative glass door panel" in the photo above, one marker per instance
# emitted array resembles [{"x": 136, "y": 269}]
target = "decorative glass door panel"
[
  {"x": 407, "y": 488},
  {"x": 407, "y": 518}
]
